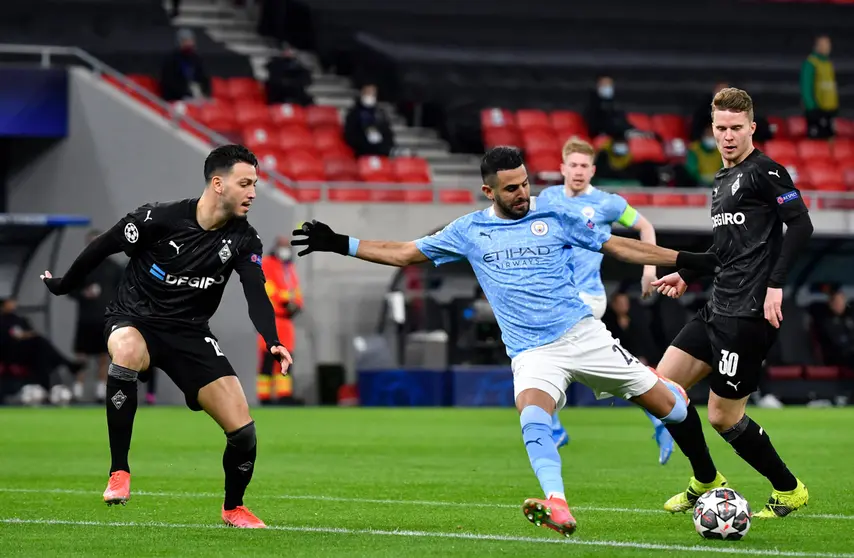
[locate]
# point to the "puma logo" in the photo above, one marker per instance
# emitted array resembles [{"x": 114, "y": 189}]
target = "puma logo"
[
  {"x": 537, "y": 441},
  {"x": 774, "y": 173},
  {"x": 487, "y": 235},
  {"x": 147, "y": 216},
  {"x": 734, "y": 385},
  {"x": 175, "y": 246}
]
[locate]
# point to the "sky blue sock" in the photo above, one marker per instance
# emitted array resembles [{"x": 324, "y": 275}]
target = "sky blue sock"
[
  {"x": 556, "y": 425},
  {"x": 545, "y": 460}
]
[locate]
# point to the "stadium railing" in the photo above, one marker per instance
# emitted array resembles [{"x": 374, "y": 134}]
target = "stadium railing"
[{"x": 437, "y": 193}]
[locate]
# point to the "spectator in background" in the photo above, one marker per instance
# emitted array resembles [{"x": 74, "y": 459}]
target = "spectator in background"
[
  {"x": 602, "y": 115},
  {"x": 633, "y": 334},
  {"x": 283, "y": 288},
  {"x": 818, "y": 90},
  {"x": 92, "y": 299},
  {"x": 367, "y": 128},
  {"x": 836, "y": 331},
  {"x": 615, "y": 165},
  {"x": 287, "y": 79},
  {"x": 703, "y": 160},
  {"x": 183, "y": 74}
]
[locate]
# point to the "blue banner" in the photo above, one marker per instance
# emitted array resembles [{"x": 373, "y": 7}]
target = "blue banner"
[{"x": 33, "y": 102}]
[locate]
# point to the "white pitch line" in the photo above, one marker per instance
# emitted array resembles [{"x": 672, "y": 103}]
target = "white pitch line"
[
  {"x": 372, "y": 501},
  {"x": 728, "y": 549}
]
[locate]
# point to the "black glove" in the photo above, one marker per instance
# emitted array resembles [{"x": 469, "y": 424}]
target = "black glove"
[
  {"x": 320, "y": 238},
  {"x": 705, "y": 262},
  {"x": 53, "y": 285}
]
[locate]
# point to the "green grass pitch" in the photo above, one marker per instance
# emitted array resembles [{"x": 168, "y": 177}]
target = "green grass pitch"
[{"x": 399, "y": 482}]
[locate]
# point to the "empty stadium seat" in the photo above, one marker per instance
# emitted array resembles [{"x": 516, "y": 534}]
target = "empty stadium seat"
[
  {"x": 539, "y": 141},
  {"x": 640, "y": 121},
  {"x": 146, "y": 82},
  {"x": 785, "y": 372},
  {"x": 842, "y": 149},
  {"x": 245, "y": 89},
  {"x": 295, "y": 138},
  {"x": 637, "y": 199},
  {"x": 272, "y": 159},
  {"x": 220, "y": 88},
  {"x": 493, "y": 137},
  {"x": 844, "y": 127},
  {"x": 797, "y": 126},
  {"x": 248, "y": 114},
  {"x": 218, "y": 116},
  {"x": 668, "y": 200},
  {"x": 568, "y": 123},
  {"x": 288, "y": 114},
  {"x": 322, "y": 116},
  {"x": 781, "y": 150},
  {"x": 411, "y": 170},
  {"x": 825, "y": 176},
  {"x": 779, "y": 127},
  {"x": 496, "y": 118},
  {"x": 670, "y": 126},
  {"x": 302, "y": 166},
  {"x": 329, "y": 139},
  {"x": 532, "y": 119},
  {"x": 190, "y": 110},
  {"x": 456, "y": 196},
  {"x": 544, "y": 161},
  {"x": 814, "y": 150},
  {"x": 341, "y": 169},
  {"x": 646, "y": 150},
  {"x": 259, "y": 136},
  {"x": 375, "y": 169},
  {"x": 822, "y": 372}
]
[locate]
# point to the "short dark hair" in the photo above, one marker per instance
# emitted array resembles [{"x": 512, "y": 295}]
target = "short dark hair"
[
  {"x": 226, "y": 156},
  {"x": 498, "y": 159}
]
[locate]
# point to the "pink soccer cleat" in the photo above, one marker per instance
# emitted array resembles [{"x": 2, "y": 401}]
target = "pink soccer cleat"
[
  {"x": 118, "y": 488},
  {"x": 242, "y": 518},
  {"x": 552, "y": 513}
]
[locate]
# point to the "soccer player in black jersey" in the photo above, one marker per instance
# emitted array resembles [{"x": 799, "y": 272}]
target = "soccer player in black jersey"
[
  {"x": 182, "y": 254},
  {"x": 729, "y": 338}
]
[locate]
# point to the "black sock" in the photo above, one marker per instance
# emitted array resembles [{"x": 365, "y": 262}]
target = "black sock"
[
  {"x": 238, "y": 461},
  {"x": 751, "y": 443},
  {"x": 688, "y": 435},
  {"x": 121, "y": 409}
]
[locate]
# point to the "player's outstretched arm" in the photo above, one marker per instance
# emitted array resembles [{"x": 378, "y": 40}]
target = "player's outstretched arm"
[
  {"x": 91, "y": 257},
  {"x": 319, "y": 237},
  {"x": 633, "y": 251}
]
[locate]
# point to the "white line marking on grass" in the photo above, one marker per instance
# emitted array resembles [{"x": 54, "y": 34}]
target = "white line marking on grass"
[
  {"x": 728, "y": 549},
  {"x": 374, "y": 501}
]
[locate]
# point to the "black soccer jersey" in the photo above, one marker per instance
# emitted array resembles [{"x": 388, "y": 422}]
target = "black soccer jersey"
[
  {"x": 750, "y": 203},
  {"x": 178, "y": 270}
]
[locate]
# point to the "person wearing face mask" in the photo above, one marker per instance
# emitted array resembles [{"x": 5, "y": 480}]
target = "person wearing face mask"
[
  {"x": 283, "y": 288},
  {"x": 183, "y": 75},
  {"x": 602, "y": 115},
  {"x": 367, "y": 128},
  {"x": 703, "y": 160}
]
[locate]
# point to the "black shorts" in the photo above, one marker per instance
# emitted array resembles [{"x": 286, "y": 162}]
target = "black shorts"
[
  {"x": 191, "y": 357},
  {"x": 89, "y": 339},
  {"x": 735, "y": 348}
]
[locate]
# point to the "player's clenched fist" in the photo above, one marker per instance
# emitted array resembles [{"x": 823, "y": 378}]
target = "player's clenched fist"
[{"x": 320, "y": 238}]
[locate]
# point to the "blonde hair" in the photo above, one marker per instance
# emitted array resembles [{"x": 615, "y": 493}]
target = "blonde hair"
[
  {"x": 733, "y": 100},
  {"x": 577, "y": 145}
]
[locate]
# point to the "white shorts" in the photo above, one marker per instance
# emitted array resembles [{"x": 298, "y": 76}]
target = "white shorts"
[
  {"x": 587, "y": 354},
  {"x": 597, "y": 303}
]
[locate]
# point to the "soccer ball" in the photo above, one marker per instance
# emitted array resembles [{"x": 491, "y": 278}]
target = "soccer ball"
[{"x": 722, "y": 513}]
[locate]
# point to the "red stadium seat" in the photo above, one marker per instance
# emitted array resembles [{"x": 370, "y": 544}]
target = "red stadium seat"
[
  {"x": 271, "y": 159},
  {"x": 146, "y": 82},
  {"x": 245, "y": 88},
  {"x": 322, "y": 116},
  {"x": 304, "y": 167},
  {"x": 218, "y": 116},
  {"x": 814, "y": 150},
  {"x": 640, "y": 121},
  {"x": 539, "y": 141},
  {"x": 336, "y": 151},
  {"x": 668, "y": 200},
  {"x": 844, "y": 127},
  {"x": 456, "y": 196},
  {"x": 288, "y": 114},
  {"x": 544, "y": 161},
  {"x": 696, "y": 200},
  {"x": 825, "y": 176},
  {"x": 848, "y": 174},
  {"x": 568, "y": 123},
  {"x": 785, "y": 372},
  {"x": 637, "y": 199},
  {"x": 496, "y": 118},
  {"x": 843, "y": 149},
  {"x": 220, "y": 88},
  {"x": 190, "y": 110},
  {"x": 259, "y": 136},
  {"x": 375, "y": 169},
  {"x": 411, "y": 170},
  {"x": 822, "y": 373},
  {"x": 248, "y": 114},
  {"x": 341, "y": 169},
  {"x": 670, "y": 126},
  {"x": 797, "y": 126},
  {"x": 779, "y": 128},
  {"x": 600, "y": 141},
  {"x": 349, "y": 194},
  {"x": 326, "y": 139},
  {"x": 646, "y": 149},
  {"x": 295, "y": 138},
  {"x": 493, "y": 137},
  {"x": 532, "y": 119},
  {"x": 780, "y": 150}
]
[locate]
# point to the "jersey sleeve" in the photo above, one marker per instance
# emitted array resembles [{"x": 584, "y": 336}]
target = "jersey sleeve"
[
  {"x": 445, "y": 246},
  {"x": 580, "y": 231},
  {"x": 138, "y": 228},
  {"x": 776, "y": 187},
  {"x": 251, "y": 252}
]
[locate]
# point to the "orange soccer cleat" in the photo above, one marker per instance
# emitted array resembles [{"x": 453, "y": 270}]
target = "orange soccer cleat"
[
  {"x": 118, "y": 488},
  {"x": 242, "y": 518},
  {"x": 552, "y": 513}
]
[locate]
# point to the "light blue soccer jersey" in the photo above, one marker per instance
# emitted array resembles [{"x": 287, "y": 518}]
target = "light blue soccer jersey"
[
  {"x": 522, "y": 267},
  {"x": 602, "y": 208}
]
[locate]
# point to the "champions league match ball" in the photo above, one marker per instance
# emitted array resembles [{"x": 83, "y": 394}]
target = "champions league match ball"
[{"x": 722, "y": 513}]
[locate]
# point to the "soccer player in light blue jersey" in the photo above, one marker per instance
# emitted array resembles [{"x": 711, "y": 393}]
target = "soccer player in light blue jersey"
[
  {"x": 603, "y": 209},
  {"x": 520, "y": 251}
]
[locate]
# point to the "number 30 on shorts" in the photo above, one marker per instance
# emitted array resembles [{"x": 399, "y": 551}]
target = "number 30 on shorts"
[
  {"x": 728, "y": 363},
  {"x": 213, "y": 342}
]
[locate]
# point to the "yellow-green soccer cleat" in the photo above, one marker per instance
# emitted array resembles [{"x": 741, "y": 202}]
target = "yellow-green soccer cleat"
[
  {"x": 684, "y": 501},
  {"x": 782, "y": 504}
]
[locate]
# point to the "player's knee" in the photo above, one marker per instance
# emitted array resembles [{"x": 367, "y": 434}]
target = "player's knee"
[
  {"x": 128, "y": 349},
  {"x": 243, "y": 438},
  {"x": 722, "y": 420}
]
